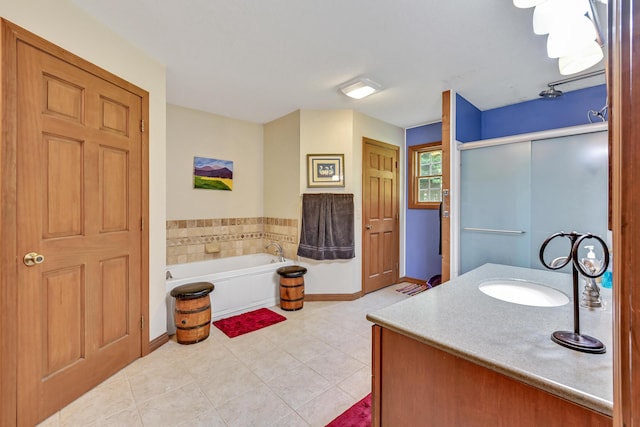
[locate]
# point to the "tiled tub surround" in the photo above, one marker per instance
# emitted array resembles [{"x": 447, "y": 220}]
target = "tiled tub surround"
[{"x": 203, "y": 239}]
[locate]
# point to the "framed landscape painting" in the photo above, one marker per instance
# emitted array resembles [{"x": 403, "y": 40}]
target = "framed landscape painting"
[{"x": 212, "y": 174}]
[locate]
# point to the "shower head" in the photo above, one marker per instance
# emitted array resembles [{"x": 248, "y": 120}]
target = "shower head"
[{"x": 551, "y": 93}]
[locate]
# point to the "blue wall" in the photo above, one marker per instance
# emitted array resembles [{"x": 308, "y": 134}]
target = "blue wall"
[
  {"x": 531, "y": 116},
  {"x": 469, "y": 121},
  {"x": 423, "y": 225},
  {"x": 542, "y": 114}
]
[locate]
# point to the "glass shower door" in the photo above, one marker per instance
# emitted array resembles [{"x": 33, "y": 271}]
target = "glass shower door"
[
  {"x": 495, "y": 206},
  {"x": 569, "y": 178}
]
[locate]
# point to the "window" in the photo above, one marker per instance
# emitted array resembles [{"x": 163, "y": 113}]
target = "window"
[{"x": 425, "y": 176}]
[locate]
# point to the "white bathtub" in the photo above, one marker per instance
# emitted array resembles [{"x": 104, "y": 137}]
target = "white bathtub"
[{"x": 242, "y": 283}]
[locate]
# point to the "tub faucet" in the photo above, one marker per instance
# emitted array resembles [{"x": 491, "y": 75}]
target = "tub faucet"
[
  {"x": 168, "y": 275},
  {"x": 279, "y": 250}
]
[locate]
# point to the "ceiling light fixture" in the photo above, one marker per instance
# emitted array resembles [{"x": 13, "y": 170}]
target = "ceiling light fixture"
[{"x": 360, "y": 88}]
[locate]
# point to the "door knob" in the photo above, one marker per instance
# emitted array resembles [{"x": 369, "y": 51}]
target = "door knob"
[
  {"x": 33, "y": 258},
  {"x": 368, "y": 226}
]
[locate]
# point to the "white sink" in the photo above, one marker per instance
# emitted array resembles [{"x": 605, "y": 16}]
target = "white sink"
[{"x": 523, "y": 292}]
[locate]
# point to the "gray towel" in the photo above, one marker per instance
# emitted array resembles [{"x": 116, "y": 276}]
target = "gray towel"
[{"x": 327, "y": 226}]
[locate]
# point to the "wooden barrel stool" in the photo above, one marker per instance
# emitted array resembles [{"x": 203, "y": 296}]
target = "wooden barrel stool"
[
  {"x": 291, "y": 287},
  {"x": 193, "y": 312}
]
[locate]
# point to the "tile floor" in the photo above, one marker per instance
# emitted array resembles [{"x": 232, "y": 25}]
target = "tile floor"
[{"x": 304, "y": 371}]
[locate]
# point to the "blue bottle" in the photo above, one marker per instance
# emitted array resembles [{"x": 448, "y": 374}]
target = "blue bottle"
[{"x": 607, "y": 277}]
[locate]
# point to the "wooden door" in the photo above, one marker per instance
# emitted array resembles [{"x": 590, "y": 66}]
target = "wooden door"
[
  {"x": 380, "y": 235},
  {"x": 79, "y": 190}
]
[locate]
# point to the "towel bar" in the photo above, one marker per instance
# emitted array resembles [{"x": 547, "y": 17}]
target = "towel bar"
[{"x": 493, "y": 230}]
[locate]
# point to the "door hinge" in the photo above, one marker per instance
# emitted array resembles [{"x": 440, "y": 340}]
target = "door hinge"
[
  {"x": 142, "y": 125},
  {"x": 142, "y": 322}
]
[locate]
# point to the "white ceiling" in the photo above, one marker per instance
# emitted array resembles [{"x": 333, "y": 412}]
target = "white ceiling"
[{"x": 258, "y": 60}]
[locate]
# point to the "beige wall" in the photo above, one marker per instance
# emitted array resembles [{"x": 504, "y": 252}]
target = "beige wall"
[
  {"x": 365, "y": 126},
  {"x": 195, "y": 133},
  {"x": 282, "y": 167},
  {"x": 66, "y": 25},
  {"x": 340, "y": 132}
]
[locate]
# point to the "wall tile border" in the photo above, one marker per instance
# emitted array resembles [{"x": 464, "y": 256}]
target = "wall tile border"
[{"x": 191, "y": 240}]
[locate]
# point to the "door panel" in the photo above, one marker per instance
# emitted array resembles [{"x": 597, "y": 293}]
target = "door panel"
[
  {"x": 64, "y": 187},
  {"x": 380, "y": 220},
  {"x": 114, "y": 285},
  {"x": 113, "y": 189},
  {"x": 64, "y": 320},
  {"x": 79, "y": 156}
]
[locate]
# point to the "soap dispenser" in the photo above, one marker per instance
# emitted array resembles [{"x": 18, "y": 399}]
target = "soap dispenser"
[{"x": 591, "y": 293}]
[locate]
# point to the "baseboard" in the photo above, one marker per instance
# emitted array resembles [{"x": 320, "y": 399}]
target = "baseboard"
[
  {"x": 333, "y": 297},
  {"x": 156, "y": 343},
  {"x": 266, "y": 303},
  {"x": 412, "y": 280}
]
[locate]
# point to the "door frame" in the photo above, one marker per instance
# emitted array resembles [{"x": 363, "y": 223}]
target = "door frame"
[
  {"x": 363, "y": 221},
  {"x": 449, "y": 260},
  {"x": 11, "y": 35},
  {"x": 624, "y": 133}
]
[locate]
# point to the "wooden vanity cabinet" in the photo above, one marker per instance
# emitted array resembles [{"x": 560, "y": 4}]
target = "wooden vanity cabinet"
[{"x": 415, "y": 384}]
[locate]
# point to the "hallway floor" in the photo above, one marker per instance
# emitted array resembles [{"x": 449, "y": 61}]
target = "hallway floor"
[{"x": 304, "y": 371}]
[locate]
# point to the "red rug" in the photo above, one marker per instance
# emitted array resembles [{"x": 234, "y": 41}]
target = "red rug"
[
  {"x": 248, "y": 322},
  {"x": 359, "y": 415}
]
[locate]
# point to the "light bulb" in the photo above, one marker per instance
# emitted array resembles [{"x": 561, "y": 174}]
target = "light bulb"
[
  {"x": 523, "y": 4},
  {"x": 573, "y": 36},
  {"x": 581, "y": 61},
  {"x": 553, "y": 13}
]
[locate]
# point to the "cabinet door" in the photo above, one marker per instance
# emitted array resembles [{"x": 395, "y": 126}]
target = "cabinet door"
[{"x": 495, "y": 194}]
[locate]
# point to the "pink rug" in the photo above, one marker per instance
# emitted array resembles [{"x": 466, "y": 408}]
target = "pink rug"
[
  {"x": 359, "y": 415},
  {"x": 248, "y": 322}
]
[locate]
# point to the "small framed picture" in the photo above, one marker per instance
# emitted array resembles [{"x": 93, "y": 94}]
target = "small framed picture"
[{"x": 325, "y": 170}]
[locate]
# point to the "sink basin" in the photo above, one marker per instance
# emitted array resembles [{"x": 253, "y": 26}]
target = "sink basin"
[{"x": 523, "y": 292}]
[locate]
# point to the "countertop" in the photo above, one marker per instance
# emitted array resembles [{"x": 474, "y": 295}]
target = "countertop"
[{"x": 512, "y": 339}]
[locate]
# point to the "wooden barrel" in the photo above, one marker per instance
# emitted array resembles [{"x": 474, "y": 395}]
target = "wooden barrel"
[
  {"x": 193, "y": 312},
  {"x": 291, "y": 287}
]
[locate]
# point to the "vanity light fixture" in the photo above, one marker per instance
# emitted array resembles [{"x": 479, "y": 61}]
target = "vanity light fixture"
[
  {"x": 573, "y": 28},
  {"x": 574, "y": 37},
  {"x": 552, "y": 14},
  {"x": 360, "y": 88},
  {"x": 587, "y": 58},
  {"x": 523, "y": 4}
]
